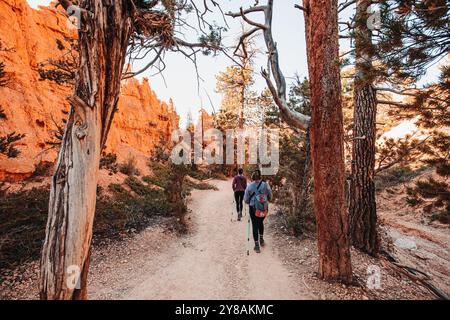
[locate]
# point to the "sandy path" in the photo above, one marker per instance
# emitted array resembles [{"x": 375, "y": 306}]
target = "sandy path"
[{"x": 212, "y": 262}]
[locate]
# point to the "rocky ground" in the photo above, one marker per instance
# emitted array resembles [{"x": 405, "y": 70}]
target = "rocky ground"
[{"x": 301, "y": 255}]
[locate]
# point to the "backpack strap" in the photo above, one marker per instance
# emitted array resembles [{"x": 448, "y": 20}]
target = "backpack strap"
[
  {"x": 259, "y": 185},
  {"x": 257, "y": 189}
]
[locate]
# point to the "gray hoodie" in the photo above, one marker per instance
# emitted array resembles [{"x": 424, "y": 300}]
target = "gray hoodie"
[{"x": 251, "y": 192}]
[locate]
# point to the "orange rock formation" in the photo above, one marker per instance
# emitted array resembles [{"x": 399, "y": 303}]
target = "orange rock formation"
[{"x": 33, "y": 106}]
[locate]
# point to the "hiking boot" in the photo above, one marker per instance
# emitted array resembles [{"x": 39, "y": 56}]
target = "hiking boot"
[
  {"x": 261, "y": 241},
  {"x": 257, "y": 248}
]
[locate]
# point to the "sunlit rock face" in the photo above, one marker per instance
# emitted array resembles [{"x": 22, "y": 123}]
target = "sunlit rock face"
[{"x": 34, "y": 107}]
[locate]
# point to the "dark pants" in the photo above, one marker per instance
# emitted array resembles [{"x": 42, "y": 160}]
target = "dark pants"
[
  {"x": 257, "y": 224},
  {"x": 239, "y": 198}
]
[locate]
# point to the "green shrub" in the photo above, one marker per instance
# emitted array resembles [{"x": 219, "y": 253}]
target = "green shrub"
[
  {"x": 435, "y": 195},
  {"x": 441, "y": 216},
  {"x": 129, "y": 167},
  {"x": 43, "y": 169},
  {"x": 8, "y": 144},
  {"x": 124, "y": 210},
  {"x": 292, "y": 186},
  {"x": 396, "y": 175},
  {"x": 212, "y": 172},
  {"x": 200, "y": 185},
  {"x": 109, "y": 162},
  {"x": 23, "y": 217}
]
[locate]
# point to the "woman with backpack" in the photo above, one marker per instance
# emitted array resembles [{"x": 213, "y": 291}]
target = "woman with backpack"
[
  {"x": 257, "y": 196},
  {"x": 239, "y": 185}
]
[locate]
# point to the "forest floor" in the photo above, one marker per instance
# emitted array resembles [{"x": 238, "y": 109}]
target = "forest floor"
[{"x": 211, "y": 262}]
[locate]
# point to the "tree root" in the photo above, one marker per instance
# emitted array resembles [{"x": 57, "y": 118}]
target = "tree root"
[{"x": 415, "y": 275}]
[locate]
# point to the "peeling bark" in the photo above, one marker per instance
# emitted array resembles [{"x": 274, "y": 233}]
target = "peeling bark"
[
  {"x": 327, "y": 147},
  {"x": 104, "y": 36}
]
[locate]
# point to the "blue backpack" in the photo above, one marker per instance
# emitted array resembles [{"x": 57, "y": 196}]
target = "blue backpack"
[{"x": 261, "y": 203}]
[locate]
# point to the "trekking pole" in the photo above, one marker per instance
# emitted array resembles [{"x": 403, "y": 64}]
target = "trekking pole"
[
  {"x": 248, "y": 236},
  {"x": 232, "y": 209}
]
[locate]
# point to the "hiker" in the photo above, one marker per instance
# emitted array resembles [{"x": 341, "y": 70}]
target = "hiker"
[
  {"x": 257, "y": 196},
  {"x": 239, "y": 185}
]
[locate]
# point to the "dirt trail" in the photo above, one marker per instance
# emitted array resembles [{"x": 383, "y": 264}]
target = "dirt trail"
[{"x": 211, "y": 262}]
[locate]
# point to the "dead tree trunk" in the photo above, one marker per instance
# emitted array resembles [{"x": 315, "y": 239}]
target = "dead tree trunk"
[
  {"x": 106, "y": 28},
  {"x": 362, "y": 208},
  {"x": 327, "y": 134}
]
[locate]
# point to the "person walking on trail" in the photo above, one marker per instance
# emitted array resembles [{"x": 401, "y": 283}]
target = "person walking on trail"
[
  {"x": 239, "y": 185},
  {"x": 257, "y": 196}
]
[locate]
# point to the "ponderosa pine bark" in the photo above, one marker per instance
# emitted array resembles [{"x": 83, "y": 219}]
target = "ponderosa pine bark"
[
  {"x": 362, "y": 207},
  {"x": 105, "y": 32},
  {"x": 327, "y": 147},
  {"x": 305, "y": 184}
]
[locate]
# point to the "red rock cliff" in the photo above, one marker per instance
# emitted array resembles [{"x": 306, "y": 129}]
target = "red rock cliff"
[{"x": 33, "y": 106}]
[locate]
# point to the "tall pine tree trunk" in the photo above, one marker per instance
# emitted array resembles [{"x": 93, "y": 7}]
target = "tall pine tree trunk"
[
  {"x": 362, "y": 208},
  {"x": 105, "y": 31},
  {"x": 327, "y": 147},
  {"x": 305, "y": 184}
]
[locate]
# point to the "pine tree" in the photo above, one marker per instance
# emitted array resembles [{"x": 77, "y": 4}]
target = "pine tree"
[
  {"x": 235, "y": 82},
  {"x": 170, "y": 178},
  {"x": 362, "y": 206},
  {"x": 327, "y": 139},
  {"x": 414, "y": 35},
  {"x": 411, "y": 36},
  {"x": 435, "y": 116}
]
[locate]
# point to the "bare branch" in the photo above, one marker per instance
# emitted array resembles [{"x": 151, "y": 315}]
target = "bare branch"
[
  {"x": 293, "y": 118},
  {"x": 392, "y": 103},
  {"x": 297, "y": 6},
  {"x": 410, "y": 94},
  {"x": 346, "y": 53},
  {"x": 345, "y": 5},
  {"x": 242, "y": 39},
  {"x": 246, "y": 19},
  {"x": 402, "y": 92},
  {"x": 151, "y": 63},
  {"x": 278, "y": 90},
  {"x": 247, "y": 11}
]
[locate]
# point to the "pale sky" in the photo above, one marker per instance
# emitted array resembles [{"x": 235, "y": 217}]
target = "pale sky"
[{"x": 180, "y": 77}]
